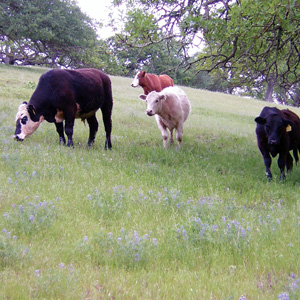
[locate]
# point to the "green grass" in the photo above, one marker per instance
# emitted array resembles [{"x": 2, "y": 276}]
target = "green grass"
[{"x": 141, "y": 222}]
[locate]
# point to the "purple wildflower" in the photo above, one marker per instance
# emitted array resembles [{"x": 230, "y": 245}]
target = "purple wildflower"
[{"x": 283, "y": 296}]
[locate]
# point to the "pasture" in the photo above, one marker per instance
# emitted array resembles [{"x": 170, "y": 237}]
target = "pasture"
[{"x": 141, "y": 222}]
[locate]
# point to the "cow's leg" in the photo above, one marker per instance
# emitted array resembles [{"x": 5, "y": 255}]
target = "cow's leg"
[
  {"x": 163, "y": 129},
  {"x": 267, "y": 160},
  {"x": 93, "y": 124},
  {"x": 60, "y": 131},
  {"x": 289, "y": 162},
  {"x": 106, "y": 116},
  {"x": 282, "y": 160},
  {"x": 69, "y": 131},
  {"x": 171, "y": 137},
  {"x": 69, "y": 114},
  {"x": 179, "y": 134}
]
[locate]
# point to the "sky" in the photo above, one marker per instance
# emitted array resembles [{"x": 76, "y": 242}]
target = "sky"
[{"x": 98, "y": 10}]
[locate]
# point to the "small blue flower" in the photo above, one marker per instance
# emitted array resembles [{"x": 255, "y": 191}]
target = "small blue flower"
[
  {"x": 283, "y": 296},
  {"x": 37, "y": 273}
]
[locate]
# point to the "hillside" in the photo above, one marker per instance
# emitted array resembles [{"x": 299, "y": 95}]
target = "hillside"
[{"x": 141, "y": 222}]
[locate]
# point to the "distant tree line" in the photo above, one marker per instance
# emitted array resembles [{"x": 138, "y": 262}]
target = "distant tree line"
[
  {"x": 254, "y": 45},
  {"x": 247, "y": 47}
]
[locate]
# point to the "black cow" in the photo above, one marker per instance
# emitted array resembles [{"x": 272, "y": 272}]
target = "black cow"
[
  {"x": 278, "y": 132},
  {"x": 63, "y": 95}
]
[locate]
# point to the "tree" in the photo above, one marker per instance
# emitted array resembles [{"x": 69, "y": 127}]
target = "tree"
[
  {"x": 50, "y": 33},
  {"x": 254, "y": 43}
]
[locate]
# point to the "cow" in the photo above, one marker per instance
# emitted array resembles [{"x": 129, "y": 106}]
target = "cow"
[
  {"x": 171, "y": 108},
  {"x": 151, "y": 82},
  {"x": 278, "y": 132},
  {"x": 63, "y": 95}
]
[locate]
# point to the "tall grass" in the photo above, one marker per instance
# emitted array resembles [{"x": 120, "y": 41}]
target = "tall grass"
[{"x": 141, "y": 222}]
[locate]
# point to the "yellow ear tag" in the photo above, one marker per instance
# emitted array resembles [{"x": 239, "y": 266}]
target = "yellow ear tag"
[{"x": 288, "y": 128}]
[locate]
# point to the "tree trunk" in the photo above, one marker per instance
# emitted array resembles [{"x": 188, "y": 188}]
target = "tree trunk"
[
  {"x": 270, "y": 87},
  {"x": 296, "y": 98}
]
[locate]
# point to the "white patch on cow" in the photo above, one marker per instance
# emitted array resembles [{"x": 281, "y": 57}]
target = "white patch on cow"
[
  {"x": 22, "y": 111},
  {"x": 59, "y": 117},
  {"x": 135, "y": 82},
  {"x": 29, "y": 126}
]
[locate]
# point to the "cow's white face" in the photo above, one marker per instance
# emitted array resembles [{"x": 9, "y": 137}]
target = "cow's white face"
[
  {"x": 25, "y": 126},
  {"x": 135, "y": 82},
  {"x": 154, "y": 102}
]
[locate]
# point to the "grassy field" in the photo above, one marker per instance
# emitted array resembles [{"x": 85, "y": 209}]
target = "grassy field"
[{"x": 141, "y": 222}]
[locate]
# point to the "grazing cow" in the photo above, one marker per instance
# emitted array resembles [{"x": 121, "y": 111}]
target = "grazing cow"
[
  {"x": 171, "y": 108},
  {"x": 278, "y": 132},
  {"x": 151, "y": 82},
  {"x": 63, "y": 95}
]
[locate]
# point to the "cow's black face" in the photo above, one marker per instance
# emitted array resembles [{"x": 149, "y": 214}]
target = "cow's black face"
[{"x": 275, "y": 127}]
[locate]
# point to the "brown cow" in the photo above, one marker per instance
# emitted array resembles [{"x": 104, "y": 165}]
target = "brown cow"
[{"x": 151, "y": 82}]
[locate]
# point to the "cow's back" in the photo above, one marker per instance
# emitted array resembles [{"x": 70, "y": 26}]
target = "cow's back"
[
  {"x": 90, "y": 88},
  {"x": 177, "y": 102},
  {"x": 152, "y": 82},
  {"x": 165, "y": 81}
]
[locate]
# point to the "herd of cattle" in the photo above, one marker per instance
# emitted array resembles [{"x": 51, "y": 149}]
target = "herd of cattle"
[{"x": 64, "y": 95}]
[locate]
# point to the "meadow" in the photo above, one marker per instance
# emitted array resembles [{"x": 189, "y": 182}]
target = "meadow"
[{"x": 139, "y": 221}]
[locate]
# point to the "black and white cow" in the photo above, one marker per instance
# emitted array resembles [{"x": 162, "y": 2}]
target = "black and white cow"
[
  {"x": 278, "y": 132},
  {"x": 64, "y": 95}
]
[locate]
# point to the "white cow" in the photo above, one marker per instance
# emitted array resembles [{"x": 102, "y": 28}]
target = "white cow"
[{"x": 171, "y": 108}]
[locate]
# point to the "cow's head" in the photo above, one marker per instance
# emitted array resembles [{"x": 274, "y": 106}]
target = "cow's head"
[
  {"x": 154, "y": 102},
  {"x": 26, "y": 121},
  {"x": 138, "y": 76},
  {"x": 275, "y": 126}
]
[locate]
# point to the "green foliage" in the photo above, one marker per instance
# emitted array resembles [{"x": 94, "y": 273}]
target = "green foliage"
[
  {"x": 12, "y": 253},
  {"x": 254, "y": 43},
  {"x": 54, "y": 33},
  {"x": 31, "y": 216},
  {"x": 140, "y": 25}
]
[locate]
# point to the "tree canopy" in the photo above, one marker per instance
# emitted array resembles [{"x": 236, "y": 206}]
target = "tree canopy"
[
  {"x": 45, "y": 32},
  {"x": 256, "y": 43}
]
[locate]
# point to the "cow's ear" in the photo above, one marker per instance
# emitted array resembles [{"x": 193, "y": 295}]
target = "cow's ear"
[
  {"x": 260, "y": 120},
  {"x": 32, "y": 112},
  {"x": 163, "y": 97},
  {"x": 143, "y": 73},
  {"x": 289, "y": 125},
  {"x": 143, "y": 97},
  {"x": 25, "y": 102}
]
